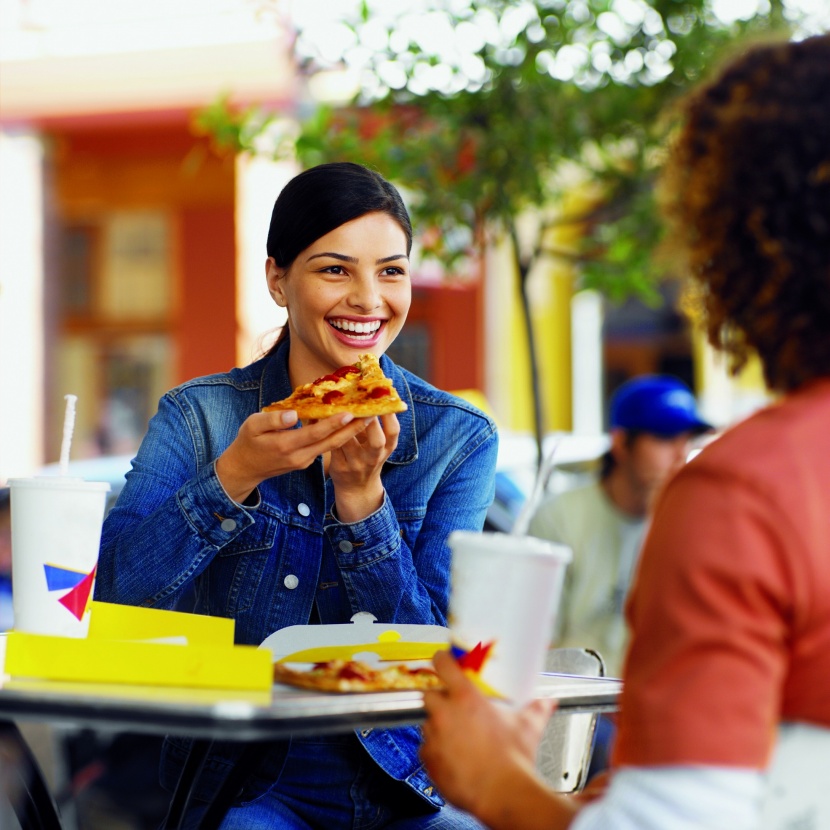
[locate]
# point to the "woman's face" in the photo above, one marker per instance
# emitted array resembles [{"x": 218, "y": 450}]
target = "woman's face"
[{"x": 347, "y": 293}]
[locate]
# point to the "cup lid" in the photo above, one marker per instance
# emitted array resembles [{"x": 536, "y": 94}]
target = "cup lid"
[
  {"x": 507, "y": 544},
  {"x": 58, "y": 483}
]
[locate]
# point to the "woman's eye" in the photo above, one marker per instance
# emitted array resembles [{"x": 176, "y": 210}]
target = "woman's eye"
[
  {"x": 393, "y": 271},
  {"x": 333, "y": 269}
]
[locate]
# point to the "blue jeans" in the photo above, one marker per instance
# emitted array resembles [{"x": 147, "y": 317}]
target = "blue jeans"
[{"x": 331, "y": 783}]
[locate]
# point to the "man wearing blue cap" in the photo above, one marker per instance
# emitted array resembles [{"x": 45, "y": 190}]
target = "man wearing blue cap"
[{"x": 653, "y": 420}]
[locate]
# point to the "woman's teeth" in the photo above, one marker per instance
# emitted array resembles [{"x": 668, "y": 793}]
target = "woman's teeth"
[{"x": 364, "y": 329}]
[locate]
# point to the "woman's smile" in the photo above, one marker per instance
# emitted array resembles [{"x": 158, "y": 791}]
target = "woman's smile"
[{"x": 364, "y": 332}]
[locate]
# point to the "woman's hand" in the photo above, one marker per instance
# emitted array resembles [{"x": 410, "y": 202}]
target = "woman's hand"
[
  {"x": 355, "y": 468},
  {"x": 482, "y": 755},
  {"x": 266, "y": 446}
]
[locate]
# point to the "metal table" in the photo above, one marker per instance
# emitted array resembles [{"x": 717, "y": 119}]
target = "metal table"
[{"x": 253, "y": 718}]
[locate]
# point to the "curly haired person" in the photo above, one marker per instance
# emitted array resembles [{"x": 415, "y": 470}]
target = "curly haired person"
[{"x": 729, "y": 661}]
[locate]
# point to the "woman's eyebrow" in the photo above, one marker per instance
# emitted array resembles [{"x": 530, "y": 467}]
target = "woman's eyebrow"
[
  {"x": 354, "y": 259},
  {"x": 333, "y": 255}
]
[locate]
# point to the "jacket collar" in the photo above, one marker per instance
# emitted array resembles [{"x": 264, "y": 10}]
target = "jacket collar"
[{"x": 275, "y": 386}]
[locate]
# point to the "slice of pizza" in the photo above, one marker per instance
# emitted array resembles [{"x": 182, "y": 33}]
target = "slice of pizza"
[
  {"x": 355, "y": 676},
  {"x": 361, "y": 389}
]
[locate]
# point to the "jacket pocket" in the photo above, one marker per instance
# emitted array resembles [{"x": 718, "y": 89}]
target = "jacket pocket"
[{"x": 242, "y": 562}]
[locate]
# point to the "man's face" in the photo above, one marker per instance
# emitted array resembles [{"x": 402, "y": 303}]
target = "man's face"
[{"x": 648, "y": 460}]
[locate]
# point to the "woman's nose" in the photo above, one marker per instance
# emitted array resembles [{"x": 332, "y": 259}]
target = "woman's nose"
[{"x": 365, "y": 295}]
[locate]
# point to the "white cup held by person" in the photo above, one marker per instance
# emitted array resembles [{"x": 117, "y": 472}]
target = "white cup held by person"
[{"x": 504, "y": 594}]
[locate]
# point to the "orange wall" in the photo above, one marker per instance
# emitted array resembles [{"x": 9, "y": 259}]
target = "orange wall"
[
  {"x": 454, "y": 317},
  {"x": 206, "y": 326},
  {"x": 133, "y": 165}
]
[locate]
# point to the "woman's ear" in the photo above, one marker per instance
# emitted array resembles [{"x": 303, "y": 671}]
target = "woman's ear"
[{"x": 274, "y": 277}]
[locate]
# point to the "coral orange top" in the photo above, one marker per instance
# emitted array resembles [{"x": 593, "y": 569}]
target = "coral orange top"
[{"x": 730, "y": 612}]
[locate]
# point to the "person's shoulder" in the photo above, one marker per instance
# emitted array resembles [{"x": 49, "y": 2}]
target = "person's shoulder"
[
  {"x": 583, "y": 494},
  {"x": 560, "y": 515},
  {"x": 576, "y": 501},
  {"x": 243, "y": 379},
  {"x": 786, "y": 432},
  {"x": 425, "y": 395},
  {"x": 779, "y": 454}
]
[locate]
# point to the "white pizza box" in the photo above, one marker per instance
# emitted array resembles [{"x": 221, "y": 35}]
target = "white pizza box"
[{"x": 361, "y": 639}]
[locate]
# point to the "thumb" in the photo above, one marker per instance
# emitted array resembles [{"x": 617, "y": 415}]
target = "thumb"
[{"x": 451, "y": 673}]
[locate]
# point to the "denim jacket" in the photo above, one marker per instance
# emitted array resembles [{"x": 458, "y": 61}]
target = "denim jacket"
[{"x": 174, "y": 529}]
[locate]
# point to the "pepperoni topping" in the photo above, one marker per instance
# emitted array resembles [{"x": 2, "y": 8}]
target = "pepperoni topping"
[
  {"x": 378, "y": 392},
  {"x": 332, "y": 395},
  {"x": 353, "y": 672},
  {"x": 337, "y": 374}
]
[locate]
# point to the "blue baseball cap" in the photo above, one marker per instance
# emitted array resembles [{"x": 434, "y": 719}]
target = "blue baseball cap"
[{"x": 658, "y": 404}]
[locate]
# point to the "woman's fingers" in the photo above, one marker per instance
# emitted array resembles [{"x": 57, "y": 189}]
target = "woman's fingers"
[
  {"x": 278, "y": 448},
  {"x": 374, "y": 436}
]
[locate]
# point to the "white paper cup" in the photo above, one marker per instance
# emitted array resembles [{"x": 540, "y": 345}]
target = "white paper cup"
[
  {"x": 504, "y": 595},
  {"x": 56, "y": 532}
]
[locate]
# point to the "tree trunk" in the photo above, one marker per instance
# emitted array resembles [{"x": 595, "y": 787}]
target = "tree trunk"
[{"x": 523, "y": 270}]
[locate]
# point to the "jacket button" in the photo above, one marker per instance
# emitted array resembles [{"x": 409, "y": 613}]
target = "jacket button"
[
  {"x": 428, "y": 791},
  {"x": 291, "y": 582},
  {"x": 303, "y": 509},
  {"x": 346, "y": 546},
  {"x": 228, "y": 525},
  {"x": 365, "y": 732}
]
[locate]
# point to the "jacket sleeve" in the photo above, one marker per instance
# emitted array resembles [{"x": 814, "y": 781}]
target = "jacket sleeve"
[
  {"x": 171, "y": 518},
  {"x": 407, "y": 581}
]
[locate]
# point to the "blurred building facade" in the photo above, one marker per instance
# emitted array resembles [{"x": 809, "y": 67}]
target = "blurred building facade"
[{"x": 132, "y": 254}]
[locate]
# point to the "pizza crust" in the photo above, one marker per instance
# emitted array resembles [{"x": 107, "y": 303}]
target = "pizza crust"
[
  {"x": 361, "y": 389},
  {"x": 355, "y": 676}
]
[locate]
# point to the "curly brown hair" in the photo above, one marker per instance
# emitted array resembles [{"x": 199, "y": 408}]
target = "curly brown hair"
[{"x": 746, "y": 193}]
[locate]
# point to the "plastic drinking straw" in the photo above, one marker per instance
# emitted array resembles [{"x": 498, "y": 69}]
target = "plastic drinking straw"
[
  {"x": 522, "y": 522},
  {"x": 68, "y": 429}
]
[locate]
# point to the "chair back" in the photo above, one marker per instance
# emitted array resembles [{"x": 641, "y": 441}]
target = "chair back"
[{"x": 566, "y": 746}]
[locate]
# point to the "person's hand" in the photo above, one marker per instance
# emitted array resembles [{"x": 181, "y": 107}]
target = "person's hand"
[
  {"x": 480, "y": 754},
  {"x": 266, "y": 446},
  {"x": 355, "y": 468}
]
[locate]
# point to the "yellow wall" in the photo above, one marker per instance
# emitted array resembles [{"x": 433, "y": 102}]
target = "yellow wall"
[{"x": 550, "y": 287}]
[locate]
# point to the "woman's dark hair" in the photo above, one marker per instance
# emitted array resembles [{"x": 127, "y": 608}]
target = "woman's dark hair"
[
  {"x": 747, "y": 195},
  {"x": 323, "y": 198}
]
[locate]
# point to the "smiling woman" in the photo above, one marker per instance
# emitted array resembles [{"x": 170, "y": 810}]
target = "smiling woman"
[{"x": 275, "y": 523}]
